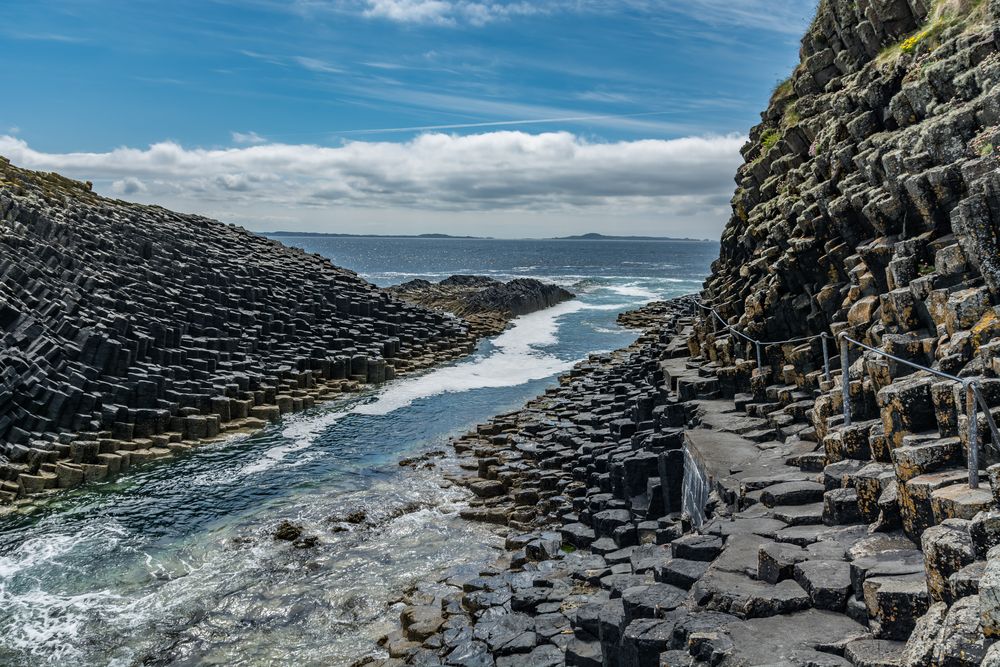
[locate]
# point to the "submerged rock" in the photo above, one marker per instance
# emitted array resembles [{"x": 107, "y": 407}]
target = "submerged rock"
[{"x": 288, "y": 531}]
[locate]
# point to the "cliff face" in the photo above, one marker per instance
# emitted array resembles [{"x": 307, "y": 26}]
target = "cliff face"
[
  {"x": 131, "y": 332},
  {"x": 869, "y": 204},
  {"x": 870, "y": 189}
]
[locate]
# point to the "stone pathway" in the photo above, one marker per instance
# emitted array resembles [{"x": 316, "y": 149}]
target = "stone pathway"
[{"x": 796, "y": 563}]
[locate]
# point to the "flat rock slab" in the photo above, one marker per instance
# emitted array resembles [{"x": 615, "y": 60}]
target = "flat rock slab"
[
  {"x": 874, "y": 653},
  {"x": 696, "y": 547},
  {"x": 651, "y": 601},
  {"x": 729, "y": 458},
  {"x": 792, "y": 493},
  {"x": 828, "y": 582},
  {"x": 799, "y": 515},
  {"x": 741, "y": 554},
  {"x": 886, "y": 564},
  {"x": 741, "y": 596},
  {"x": 681, "y": 572},
  {"x": 776, "y": 561},
  {"x": 793, "y": 639},
  {"x": 762, "y": 525}
]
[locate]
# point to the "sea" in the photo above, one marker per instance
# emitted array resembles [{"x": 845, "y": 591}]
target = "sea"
[{"x": 175, "y": 563}]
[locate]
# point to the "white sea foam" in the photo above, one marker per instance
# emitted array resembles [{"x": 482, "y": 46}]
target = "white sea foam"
[
  {"x": 517, "y": 359},
  {"x": 634, "y": 289},
  {"x": 42, "y": 622},
  {"x": 518, "y": 356}
]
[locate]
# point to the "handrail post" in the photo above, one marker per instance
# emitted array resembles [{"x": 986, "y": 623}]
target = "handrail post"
[
  {"x": 973, "y": 455},
  {"x": 760, "y": 362},
  {"x": 845, "y": 379},
  {"x": 984, "y": 406},
  {"x": 826, "y": 358}
]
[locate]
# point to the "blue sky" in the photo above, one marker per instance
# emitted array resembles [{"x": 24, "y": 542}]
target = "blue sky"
[{"x": 463, "y": 116}]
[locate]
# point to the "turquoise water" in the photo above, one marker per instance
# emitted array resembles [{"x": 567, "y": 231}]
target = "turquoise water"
[{"x": 174, "y": 564}]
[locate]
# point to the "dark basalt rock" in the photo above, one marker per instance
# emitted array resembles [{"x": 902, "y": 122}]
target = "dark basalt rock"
[
  {"x": 519, "y": 297},
  {"x": 131, "y": 333},
  {"x": 485, "y": 303},
  {"x": 288, "y": 531}
]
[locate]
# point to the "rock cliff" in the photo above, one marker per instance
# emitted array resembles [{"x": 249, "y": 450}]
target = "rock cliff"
[
  {"x": 870, "y": 194},
  {"x": 869, "y": 206},
  {"x": 128, "y": 332}
]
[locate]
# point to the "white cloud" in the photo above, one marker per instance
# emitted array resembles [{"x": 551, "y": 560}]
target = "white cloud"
[
  {"x": 490, "y": 172},
  {"x": 604, "y": 96},
  {"x": 248, "y": 138},
  {"x": 316, "y": 65},
  {"x": 128, "y": 186},
  {"x": 14, "y": 129},
  {"x": 448, "y": 12},
  {"x": 779, "y": 16}
]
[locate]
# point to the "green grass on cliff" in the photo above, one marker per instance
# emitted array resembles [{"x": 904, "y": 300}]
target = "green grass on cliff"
[{"x": 945, "y": 14}]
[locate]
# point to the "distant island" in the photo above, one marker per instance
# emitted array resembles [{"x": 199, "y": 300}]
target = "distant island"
[
  {"x": 604, "y": 237},
  {"x": 578, "y": 237},
  {"x": 380, "y": 236}
]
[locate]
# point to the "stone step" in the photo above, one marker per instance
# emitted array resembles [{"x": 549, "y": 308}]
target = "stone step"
[
  {"x": 680, "y": 572},
  {"x": 920, "y": 455},
  {"x": 809, "y": 462},
  {"x": 799, "y": 515},
  {"x": 916, "y": 506},
  {"x": 959, "y": 501},
  {"x": 894, "y": 604},
  {"x": 792, "y": 493},
  {"x": 761, "y": 435},
  {"x": 740, "y": 401},
  {"x": 840, "y": 507},
  {"x": 799, "y": 410},
  {"x": 762, "y": 409}
]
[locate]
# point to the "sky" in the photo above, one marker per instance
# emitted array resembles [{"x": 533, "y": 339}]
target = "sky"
[{"x": 480, "y": 117}]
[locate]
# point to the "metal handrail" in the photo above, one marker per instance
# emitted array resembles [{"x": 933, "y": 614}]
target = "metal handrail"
[
  {"x": 972, "y": 389},
  {"x": 911, "y": 364}
]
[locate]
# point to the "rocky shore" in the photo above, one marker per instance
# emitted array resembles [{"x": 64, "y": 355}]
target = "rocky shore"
[
  {"x": 130, "y": 333},
  {"x": 657, "y": 518},
  {"x": 488, "y": 305},
  {"x": 699, "y": 500}
]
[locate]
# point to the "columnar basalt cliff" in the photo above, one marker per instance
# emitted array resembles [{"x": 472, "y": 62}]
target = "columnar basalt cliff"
[
  {"x": 869, "y": 206},
  {"x": 130, "y": 332},
  {"x": 870, "y": 189}
]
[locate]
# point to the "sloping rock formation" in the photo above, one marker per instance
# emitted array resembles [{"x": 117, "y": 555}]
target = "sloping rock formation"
[
  {"x": 487, "y": 304},
  {"x": 130, "y": 332}
]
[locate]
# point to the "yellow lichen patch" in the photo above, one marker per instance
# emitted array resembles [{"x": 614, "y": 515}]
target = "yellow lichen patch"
[{"x": 986, "y": 329}]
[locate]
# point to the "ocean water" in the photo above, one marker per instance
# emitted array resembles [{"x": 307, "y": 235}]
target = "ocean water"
[{"x": 175, "y": 564}]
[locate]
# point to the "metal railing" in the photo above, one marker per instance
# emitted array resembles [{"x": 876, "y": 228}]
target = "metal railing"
[{"x": 972, "y": 389}]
